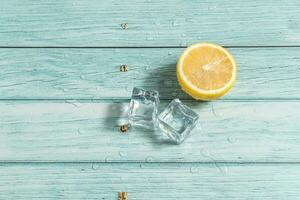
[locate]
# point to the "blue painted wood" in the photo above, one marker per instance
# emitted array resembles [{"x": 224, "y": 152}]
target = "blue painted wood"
[
  {"x": 150, "y": 23},
  {"x": 263, "y": 73},
  {"x": 239, "y": 131},
  {"x": 144, "y": 181},
  {"x": 58, "y": 141}
]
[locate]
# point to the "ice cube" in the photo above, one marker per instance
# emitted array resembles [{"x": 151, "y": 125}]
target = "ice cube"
[
  {"x": 177, "y": 120},
  {"x": 143, "y": 108}
]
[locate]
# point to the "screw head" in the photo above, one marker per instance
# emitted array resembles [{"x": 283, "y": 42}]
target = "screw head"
[
  {"x": 124, "y": 128},
  {"x": 123, "y": 68},
  {"x": 124, "y": 26}
]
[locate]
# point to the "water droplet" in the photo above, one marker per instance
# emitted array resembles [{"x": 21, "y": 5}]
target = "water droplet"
[
  {"x": 114, "y": 107},
  {"x": 205, "y": 153},
  {"x": 141, "y": 166},
  {"x": 95, "y": 166},
  {"x": 168, "y": 83},
  {"x": 149, "y": 38},
  {"x": 183, "y": 34},
  {"x": 193, "y": 170},
  {"x": 199, "y": 126},
  {"x": 174, "y": 23},
  {"x": 128, "y": 88},
  {"x": 199, "y": 37},
  {"x": 174, "y": 94},
  {"x": 108, "y": 159},
  {"x": 212, "y": 8},
  {"x": 65, "y": 89},
  {"x": 157, "y": 23},
  {"x": 82, "y": 77},
  {"x": 117, "y": 50},
  {"x": 66, "y": 55},
  {"x": 78, "y": 131},
  {"x": 147, "y": 67},
  {"x": 222, "y": 169},
  {"x": 170, "y": 53},
  {"x": 183, "y": 44},
  {"x": 122, "y": 154},
  {"x": 149, "y": 159},
  {"x": 231, "y": 140}
]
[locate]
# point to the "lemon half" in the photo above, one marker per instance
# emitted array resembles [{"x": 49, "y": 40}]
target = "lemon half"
[{"x": 206, "y": 71}]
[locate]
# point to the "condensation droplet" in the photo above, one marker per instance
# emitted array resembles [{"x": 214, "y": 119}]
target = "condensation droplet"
[
  {"x": 122, "y": 154},
  {"x": 212, "y": 8},
  {"x": 199, "y": 37},
  {"x": 174, "y": 94},
  {"x": 117, "y": 50},
  {"x": 168, "y": 83},
  {"x": 174, "y": 23},
  {"x": 149, "y": 159},
  {"x": 147, "y": 67},
  {"x": 108, "y": 159},
  {"x": 222, "y": 169},
  {"x": 149, "y": 38},
  {"x": 78, "y": 131},
  {"x": 231, "y": 140},
  {"x": 141, "y": 166},
  {"x": 183, "y": 44},
  {"x": 193, "y": 170},
  {"x": 169, "y": 53},
  {"x": 95, "y": 166},
  {"x": 199, "y": 126},
  {"x": 183, "y": 34},
  {"x": 82, "y": 77},
  {"x": 65, "y": 89},
  {"x": 205, "y": 152}
]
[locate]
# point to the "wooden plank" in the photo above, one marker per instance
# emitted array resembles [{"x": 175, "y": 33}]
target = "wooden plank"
[
  {"x": 149, "y": 181},
  {"x": 150, "y": 23},
  {"x": 255, "y": 131},
  {"x": 263, "y": 73}
]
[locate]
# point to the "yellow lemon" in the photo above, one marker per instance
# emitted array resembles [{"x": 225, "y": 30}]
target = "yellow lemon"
[{"x": 206, "y": 71}]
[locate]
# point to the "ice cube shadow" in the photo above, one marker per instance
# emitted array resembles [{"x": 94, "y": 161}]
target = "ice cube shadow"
[{"x": 164, "y": 80}]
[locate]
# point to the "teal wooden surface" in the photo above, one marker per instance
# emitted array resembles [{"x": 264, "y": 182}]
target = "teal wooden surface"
[
  {"x": 61, "y": 101},
  {"x": 145, "y": 181},
  {"x": 150, "y": 23},
  {"x": 255, "y": 131},
  {"x": 263, "y": 73}
]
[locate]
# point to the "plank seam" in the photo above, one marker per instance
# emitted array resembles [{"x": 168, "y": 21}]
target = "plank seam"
[
  {"x": 125, "y": 100},
  {"x": 160, "y": 162},
  {"x": 138, "y": 47}
]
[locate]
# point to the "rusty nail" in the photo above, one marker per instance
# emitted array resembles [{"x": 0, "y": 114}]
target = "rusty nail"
[
  {"x": 122, "y": 196},
  {"x": 124, "y": 128},
  {"x": 124, "y": 26},
  {"x": 123, "y": 68}
]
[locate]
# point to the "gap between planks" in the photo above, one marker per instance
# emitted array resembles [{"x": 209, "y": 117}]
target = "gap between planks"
[
  {"x": 139, "y": 47},
  {"x": 29, "y": 162}
]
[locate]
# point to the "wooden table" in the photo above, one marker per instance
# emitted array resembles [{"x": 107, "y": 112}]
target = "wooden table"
[{"x": 63, "y": 96}]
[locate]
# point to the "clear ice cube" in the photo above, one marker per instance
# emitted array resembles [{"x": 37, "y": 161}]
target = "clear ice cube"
[
  {"x": 143, "y": 108},
  {"x": 177, "y": 120}
]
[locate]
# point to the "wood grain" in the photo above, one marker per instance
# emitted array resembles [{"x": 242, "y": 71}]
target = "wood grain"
[
  {"x": 251, "y": 131},
  {"x": 150, "y": 23},
  {"x": 263, "y": 73},
  {"x": 149, "y": 181}
]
